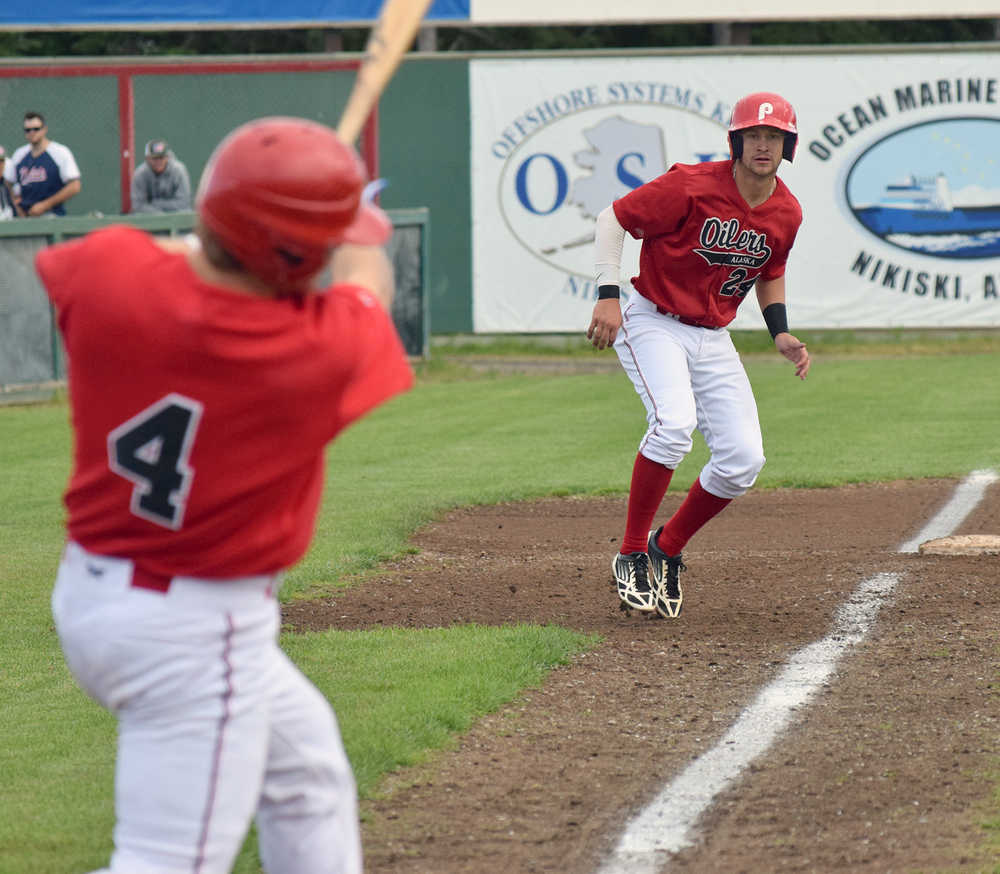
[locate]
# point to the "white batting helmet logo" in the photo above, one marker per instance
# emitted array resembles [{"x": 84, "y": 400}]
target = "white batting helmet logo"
[{"x": 764, "y": 110}]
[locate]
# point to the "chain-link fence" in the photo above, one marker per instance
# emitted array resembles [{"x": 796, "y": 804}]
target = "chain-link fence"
[{"x": 31, "y": 358}]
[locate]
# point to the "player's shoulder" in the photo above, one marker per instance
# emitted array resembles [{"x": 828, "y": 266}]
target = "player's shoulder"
[
  {"x": 102, "y": 249},
  {"x": 788, "y": 200},
  {"x": 702, "y": 178},
  {"x": 702, "y": 169},
  {"x": 684, "y": 177},
  {"x": 19, "y": 153},
  {"x": 64, "y": 160},
  {"x": 122, "y": 239},
  {"x": 354, "y": 297},
  {"x": 58, "y": 150},
  {"x": 707, "y": 168},
  {"x": 96, "y": 264}
]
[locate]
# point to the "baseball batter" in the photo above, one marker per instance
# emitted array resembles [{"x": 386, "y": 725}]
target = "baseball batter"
[
  {"x": 710, "y": 233},
  {"x": 206, "y": 379}
]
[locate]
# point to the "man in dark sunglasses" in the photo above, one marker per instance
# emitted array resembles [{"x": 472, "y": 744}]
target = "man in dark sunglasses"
[{"x": 43, "y": 172}]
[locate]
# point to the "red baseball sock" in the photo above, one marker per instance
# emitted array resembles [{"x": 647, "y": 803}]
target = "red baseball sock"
[
  {"x": 697, "y": 508},
  {"x": 650, "y": 480}
]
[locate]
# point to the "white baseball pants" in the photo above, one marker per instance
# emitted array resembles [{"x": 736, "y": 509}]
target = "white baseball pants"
[
  {"x": 692, "y": 377},
  {"x": 215, "y": 724}
]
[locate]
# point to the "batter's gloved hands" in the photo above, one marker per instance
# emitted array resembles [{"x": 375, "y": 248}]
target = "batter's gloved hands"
[
  {"x": 606, "y": 321},
  {"x": 795, "y": 351}
]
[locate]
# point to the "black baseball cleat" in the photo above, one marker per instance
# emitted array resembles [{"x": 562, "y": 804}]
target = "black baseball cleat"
[
  {"x": 632, "y": 579},
  {"x": 666, "y": 569}
]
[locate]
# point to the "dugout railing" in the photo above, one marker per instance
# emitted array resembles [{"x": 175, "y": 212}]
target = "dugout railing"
[{"x": 32, "y": 365}]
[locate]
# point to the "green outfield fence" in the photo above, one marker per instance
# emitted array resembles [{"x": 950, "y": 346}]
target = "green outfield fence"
[
  {"x": 31, "y": 357},
  {"x": 105, "y": 109}
]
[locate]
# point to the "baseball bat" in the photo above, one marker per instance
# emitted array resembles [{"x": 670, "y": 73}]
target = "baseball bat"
[{"x": 389, "y": 40}]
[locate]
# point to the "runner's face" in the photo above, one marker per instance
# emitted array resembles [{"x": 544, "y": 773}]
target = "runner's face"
[{"x": 762, "y": 148}]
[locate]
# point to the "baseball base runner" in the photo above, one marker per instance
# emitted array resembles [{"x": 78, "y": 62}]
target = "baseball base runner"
[{"x": 710, "y": 233}]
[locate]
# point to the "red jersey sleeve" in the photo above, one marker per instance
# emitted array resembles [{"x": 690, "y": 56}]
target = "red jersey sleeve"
[
  {"x": 659, "y": 207},
  {"x": 379, "y": 368}
]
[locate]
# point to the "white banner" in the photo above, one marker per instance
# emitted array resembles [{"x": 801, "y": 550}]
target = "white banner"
[
  {"x": 531, "y": 12},
  {"x": 897, "y": 171}
]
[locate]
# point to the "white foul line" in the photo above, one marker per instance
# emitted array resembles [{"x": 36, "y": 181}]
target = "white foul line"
[
  {"x": 666, "y": 824},
  {"x": 968, "y": 493}
]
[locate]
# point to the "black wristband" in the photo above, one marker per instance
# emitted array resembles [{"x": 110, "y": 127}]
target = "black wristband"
[
  {"x": 606, "y": 292},
  {"x": 776, "y": 319}
]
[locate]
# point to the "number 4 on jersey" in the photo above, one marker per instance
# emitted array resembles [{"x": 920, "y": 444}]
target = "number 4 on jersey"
[{"x": 152, "y": 450}]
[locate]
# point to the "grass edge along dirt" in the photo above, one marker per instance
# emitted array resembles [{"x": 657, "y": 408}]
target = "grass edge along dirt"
[{"x": 883, "y": 343}]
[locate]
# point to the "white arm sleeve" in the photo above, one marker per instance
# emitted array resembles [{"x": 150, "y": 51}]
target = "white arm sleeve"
[{"x": 609, "y": 237}]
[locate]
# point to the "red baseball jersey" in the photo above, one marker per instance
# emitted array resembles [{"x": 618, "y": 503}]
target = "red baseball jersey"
[
  {"x": 201, "y": 414},
  {"x": 703, "y": 247}
]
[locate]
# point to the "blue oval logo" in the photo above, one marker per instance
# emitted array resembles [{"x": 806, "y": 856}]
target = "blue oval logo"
[{"x": 933, "y": 188}]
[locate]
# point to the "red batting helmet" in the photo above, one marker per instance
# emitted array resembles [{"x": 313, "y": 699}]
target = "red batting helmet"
[
  {"x": 280, "y": 193},
  {"x": 767, "y": 109}
]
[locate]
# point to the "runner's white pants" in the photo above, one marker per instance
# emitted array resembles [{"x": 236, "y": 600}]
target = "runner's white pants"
[
  {"x": 690, "y": 377},
  {"x": 215, "y": 724}
]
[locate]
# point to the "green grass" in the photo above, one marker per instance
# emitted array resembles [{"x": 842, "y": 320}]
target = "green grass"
[
  {"x": 895, "y": 343},
  {"x": 459, "y": 438},
  {"x": 508, "y": 437},
  {"x": 992, "y": 826},
  {"x": 430, "y": 683}
]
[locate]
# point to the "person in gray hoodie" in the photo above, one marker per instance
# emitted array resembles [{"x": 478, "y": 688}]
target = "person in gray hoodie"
[{"x": 161, "y": 183}]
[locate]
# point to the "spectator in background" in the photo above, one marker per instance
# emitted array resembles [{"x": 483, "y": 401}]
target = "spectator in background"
[
  {"x": 6, "y": 195},
  {"x": 43, "y": 172},
  {"x": 161, "y": 183}
]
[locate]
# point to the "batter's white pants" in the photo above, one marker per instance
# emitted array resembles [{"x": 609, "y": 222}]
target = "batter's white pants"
[
  {"x": 690, "y": 377},
  {"x": 215, "y": 724}
]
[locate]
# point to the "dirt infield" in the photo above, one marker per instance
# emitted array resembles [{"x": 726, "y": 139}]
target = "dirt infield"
[{"x": 889, "y": 768}]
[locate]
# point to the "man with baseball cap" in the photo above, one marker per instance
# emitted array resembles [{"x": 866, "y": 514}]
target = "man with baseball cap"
[
  {"x": 161, "y": 183},
  {"x": 43, "y": 172},
  {"x": 206, "y": 380}
]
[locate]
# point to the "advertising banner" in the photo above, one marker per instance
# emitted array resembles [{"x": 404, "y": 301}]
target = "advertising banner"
[
  {"x": 148, "y": 14},
  {"x": 505, "y": 12},
  {"x": 140, "y": 14},
  {"x": 897, "y": 171}
]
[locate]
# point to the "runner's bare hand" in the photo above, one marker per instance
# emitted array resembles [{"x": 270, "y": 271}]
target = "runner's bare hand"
[
  {"x": 605, "y": 323},
  {"x": 795, "y": 351}
]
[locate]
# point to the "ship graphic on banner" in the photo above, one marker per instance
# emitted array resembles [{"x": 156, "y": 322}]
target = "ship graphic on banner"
[{"x": 928, "y": 212}]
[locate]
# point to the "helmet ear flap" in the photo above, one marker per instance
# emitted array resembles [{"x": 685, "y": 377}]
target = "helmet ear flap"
[
  {"x": 736, "y": 145},
  {"x": 788, "y": 153}
]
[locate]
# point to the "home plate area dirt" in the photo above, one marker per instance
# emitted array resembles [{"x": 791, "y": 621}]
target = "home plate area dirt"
[{"x": 890, "y": 768}]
